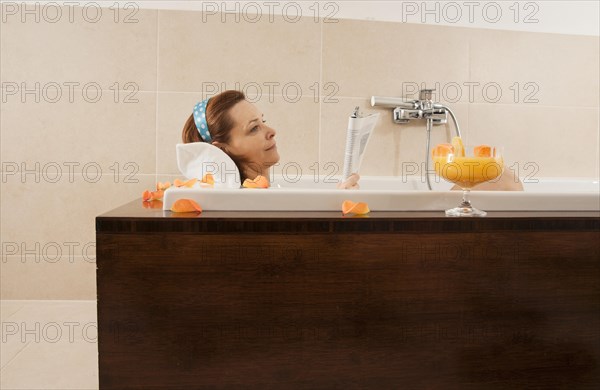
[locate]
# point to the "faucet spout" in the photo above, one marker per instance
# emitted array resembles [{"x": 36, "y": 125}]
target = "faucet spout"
[{"x": 392, "y": 102}]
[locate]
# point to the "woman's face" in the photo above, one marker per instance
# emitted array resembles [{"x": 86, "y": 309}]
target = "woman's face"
[{"x": 251, "y": 138}]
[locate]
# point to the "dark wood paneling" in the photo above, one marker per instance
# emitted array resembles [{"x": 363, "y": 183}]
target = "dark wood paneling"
[
  {"x": 133, "y": 218},
  {"x": 419, "y": 301}
]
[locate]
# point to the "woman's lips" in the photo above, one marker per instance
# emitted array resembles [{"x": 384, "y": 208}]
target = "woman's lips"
[{"x": 274, "y": 146}]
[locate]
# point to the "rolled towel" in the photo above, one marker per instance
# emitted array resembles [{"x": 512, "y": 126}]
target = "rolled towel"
[{"x": 199, "y": 158}]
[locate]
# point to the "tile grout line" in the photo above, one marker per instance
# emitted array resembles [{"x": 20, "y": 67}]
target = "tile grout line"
[
  {"x": 320, "y": 89},
  {"x": 533, "y": 105},
  {"x": 156, "y": 99},
  {"x": 469, "y": 59},
  {"x": 1, "y": 132}
]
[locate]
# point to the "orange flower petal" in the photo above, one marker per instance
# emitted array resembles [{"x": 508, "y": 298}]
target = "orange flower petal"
[
  {"x": 208, "y": 178},
  {"x": 162, "y": 186},
  {"x": 258, "y": 182},
  {"x": 146, "y": 196},
  {"x": 361, "y": 208},
  {"x": 154, "y": 204},
  {"x": 190, "y": 183},
  {"x": 156, "y": 195},
  {"x": 347, "y": 206},
  {"x": 350, "y": 207},
  {"x": 185, "y": 206},
  {"x": 180, "y": 183}
]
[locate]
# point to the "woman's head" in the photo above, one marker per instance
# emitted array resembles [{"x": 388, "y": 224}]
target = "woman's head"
[{"x": 239, "y": 129}]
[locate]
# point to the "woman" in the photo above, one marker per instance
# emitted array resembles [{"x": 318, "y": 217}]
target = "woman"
[{"x": 238, "y": 128}]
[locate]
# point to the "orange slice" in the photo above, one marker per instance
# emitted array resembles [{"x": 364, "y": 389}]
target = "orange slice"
[
  {"x": 258, "y": 182},
  {"x": 442, "y": 150},
  {"x": 350, "y": 207},
  {"x": 459, "y": 147},
  {"x": 482, "y": 151},
  {"x": 185, "y": 206}
]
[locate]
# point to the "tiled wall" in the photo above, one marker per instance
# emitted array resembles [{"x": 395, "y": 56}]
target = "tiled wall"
[{"x": 168, "y": 60}]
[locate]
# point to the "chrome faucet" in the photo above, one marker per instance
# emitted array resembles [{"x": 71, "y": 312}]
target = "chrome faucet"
[{"x": 422, "y": 108}]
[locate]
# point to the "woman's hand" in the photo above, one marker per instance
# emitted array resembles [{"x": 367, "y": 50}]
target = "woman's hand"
[{"x": 351, "y": 183}]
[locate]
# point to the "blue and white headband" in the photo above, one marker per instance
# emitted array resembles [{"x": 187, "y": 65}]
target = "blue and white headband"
[{"x": 200, "y": 119}]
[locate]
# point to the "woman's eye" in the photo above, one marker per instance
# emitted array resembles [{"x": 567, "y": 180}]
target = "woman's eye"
[{"x": 255, "y": 128}]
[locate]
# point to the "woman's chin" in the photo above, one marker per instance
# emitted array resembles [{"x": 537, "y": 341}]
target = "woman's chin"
[{"x": 273, "y": 156}]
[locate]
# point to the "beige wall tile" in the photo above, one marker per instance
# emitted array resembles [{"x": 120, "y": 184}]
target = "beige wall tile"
[
  {"x": 393, "y": 150},
  {"x": 80, "y": 133},
  {"x": 382, "y": 58},
  {"x": 75, "y": 50},
  {"x": 63, "y": 212},
  {"x": 48, "y": 240},
  {"x": 173, "y": 110},
  {"x": 296, "y": 124},
  {"x": 46, "y": 277},
  {"x": 562, "y": 68},
  {"x": 563, "y": 145},
  {"x": 196, "y": 54}
]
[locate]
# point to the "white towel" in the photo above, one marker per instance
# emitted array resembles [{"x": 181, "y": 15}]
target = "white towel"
[{"x": 198, "y": 158}]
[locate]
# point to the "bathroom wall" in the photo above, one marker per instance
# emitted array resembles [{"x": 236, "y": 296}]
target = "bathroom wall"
[{"x": 93, "y": 104}]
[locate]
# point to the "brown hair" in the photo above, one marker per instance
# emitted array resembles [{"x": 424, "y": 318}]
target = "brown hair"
[
  {"x": 218, "y": 119},
  {"x": 219, "y": 123}
]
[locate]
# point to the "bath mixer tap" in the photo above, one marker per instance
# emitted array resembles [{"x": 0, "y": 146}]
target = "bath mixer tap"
[{"x": 422, "y": 108}]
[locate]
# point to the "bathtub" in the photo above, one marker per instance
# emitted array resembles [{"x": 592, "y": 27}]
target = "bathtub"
[{"x": 393, "y": 194}]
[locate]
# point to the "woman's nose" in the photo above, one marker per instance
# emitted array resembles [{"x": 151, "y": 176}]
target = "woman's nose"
[{"x": 271, "y": 132}]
